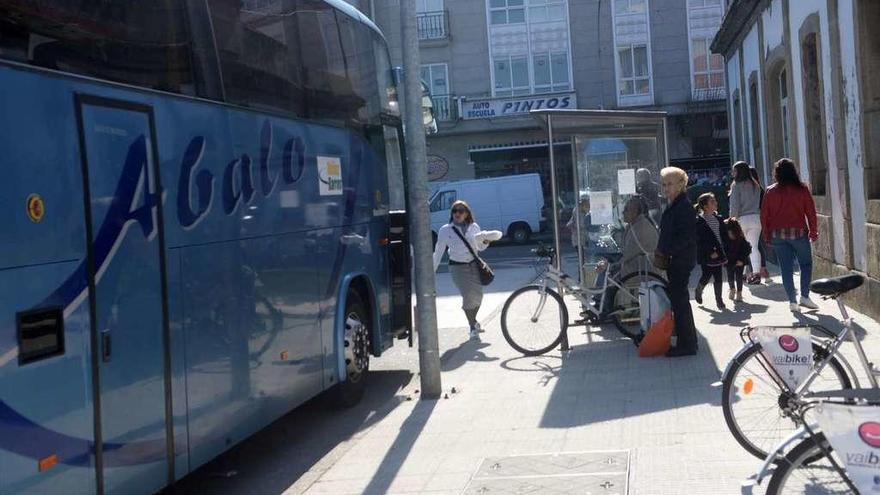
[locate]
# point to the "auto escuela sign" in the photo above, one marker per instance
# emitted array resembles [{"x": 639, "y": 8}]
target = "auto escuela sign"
[{"x": 490, "y": 108}]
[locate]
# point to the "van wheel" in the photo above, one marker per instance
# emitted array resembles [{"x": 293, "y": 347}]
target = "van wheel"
[
  {"x": 356, "y": 352},
  {"x": 520, "y": 233}
]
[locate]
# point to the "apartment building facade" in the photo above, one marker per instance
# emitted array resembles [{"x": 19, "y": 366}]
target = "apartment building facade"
[{"x": 489, "y": 62}]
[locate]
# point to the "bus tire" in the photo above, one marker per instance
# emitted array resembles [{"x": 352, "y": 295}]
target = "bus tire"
[{"x": 356, "y": 351}]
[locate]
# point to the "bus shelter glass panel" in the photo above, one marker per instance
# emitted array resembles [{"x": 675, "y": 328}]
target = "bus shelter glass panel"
[{"x": 609, "y": 171}]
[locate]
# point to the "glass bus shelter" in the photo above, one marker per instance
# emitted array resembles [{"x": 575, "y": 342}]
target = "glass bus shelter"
[{"x": 610, "y": 148}]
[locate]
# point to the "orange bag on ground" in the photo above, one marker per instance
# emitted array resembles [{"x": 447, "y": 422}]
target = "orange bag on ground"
[{"x": 657, "y": 339}]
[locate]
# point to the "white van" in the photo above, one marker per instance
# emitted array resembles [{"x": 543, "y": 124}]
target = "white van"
[{"x": 510, "y": 204}]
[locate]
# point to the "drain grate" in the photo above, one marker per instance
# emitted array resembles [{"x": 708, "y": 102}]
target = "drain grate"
[{"x": 583, "y": 473}]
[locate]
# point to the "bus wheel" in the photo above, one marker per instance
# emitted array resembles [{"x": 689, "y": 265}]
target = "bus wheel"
[{"x": 356, "y": 351}]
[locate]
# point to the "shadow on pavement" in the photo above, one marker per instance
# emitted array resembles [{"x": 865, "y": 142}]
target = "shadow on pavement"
[
  {"x": 627, "y": 385},
  {"x": 831, "y": 323},
  {"x": 273, "y": 459},
  {"x": 735, "y": 314},
  {"x": 468, "y": 351},
  {"x": 396, "y": 455},
  {"x": 772, "y": 292}
]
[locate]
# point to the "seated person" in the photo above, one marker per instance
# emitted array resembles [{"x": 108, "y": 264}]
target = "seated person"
[{"x": 639, "y": 243}]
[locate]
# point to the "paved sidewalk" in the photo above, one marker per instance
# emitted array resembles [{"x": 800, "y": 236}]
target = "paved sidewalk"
[{"x": 631, "y": 425}]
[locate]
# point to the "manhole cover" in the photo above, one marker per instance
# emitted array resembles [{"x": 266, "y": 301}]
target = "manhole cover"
[{"x": 583, "y": 473}]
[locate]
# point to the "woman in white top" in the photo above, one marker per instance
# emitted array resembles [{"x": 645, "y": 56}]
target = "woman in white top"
[
  {"x": 745, "y": 206},
  {"x": 462, "y": 265}
]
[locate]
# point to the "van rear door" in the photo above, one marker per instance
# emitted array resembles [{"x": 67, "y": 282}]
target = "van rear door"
[{"x": 484, "y": 198}]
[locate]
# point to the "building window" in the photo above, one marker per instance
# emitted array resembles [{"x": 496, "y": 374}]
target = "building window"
[
  {"x": 635, "y": 77},
  {"x": 815, "y": 122},
  {"x": 546, "y": 10},
  {"x": 782, "y": 81},
  {"x": 632, "y": 42},
  {"x": 529, "y": 50},
  {"x": 868, "y": 52},
  {"x": 507, "y": 12},
  {"x": 737, "y": 129},
  {"x": 423, "y": 6},
  {"x": 630, "y": 6},
  {"x": 511, "y": 75},
  {"x": 436, "y": 78},
  {"x": 551, "y": 72},
  {"x": 708, "y": 67},
  {"x": 431, "y": 20},
  {"x": 754, "y": 110}
]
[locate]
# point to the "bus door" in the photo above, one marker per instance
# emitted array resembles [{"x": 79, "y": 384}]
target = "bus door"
[{"x": 126, "y": 280}]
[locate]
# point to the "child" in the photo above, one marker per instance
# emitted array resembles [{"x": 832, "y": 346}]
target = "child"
[
  {"x": 712, "y": 240},
  {"x": 738, "y": 251}
]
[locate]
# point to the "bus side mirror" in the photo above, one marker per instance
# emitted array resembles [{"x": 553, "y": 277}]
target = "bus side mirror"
[{"x": 428, "y": 120}]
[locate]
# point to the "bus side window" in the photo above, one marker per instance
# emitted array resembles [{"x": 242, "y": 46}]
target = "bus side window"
[
  {"x": 140, "y": 43},
  {"x": 258, "y": 44}
]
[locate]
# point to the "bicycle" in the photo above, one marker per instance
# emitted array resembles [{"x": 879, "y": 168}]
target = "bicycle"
[
  {"x": 812, "y": 465},
  {"x": 534, "y": 327},
  {"x": 760, "y": 407}
]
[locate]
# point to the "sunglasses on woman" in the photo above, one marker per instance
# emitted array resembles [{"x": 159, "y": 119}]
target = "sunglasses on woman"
[{"x": 459, "y": 210}]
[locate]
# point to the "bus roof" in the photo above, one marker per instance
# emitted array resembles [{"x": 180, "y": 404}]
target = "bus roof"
[{"x": 351, "y": 11}]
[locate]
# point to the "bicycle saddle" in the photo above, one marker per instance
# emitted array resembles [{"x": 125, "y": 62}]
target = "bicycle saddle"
[{"x": 836, "y": 286}]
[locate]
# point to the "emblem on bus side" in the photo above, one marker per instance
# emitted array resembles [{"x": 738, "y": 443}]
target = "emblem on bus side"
[
  {"x": 329, "y": 175},
  {"x": 36, "y": 209}
]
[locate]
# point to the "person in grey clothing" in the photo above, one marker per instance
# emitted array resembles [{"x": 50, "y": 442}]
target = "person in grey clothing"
[
  {"x": 745, "y": 206},
  {"x": 640, "y": 237}
]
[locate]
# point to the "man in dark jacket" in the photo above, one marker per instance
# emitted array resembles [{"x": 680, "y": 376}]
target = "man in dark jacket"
[{"x": 678, "y": 245}]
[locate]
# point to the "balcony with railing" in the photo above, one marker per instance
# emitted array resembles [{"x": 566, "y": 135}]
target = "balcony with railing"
[
  {"x": 445, "y": 108},
  {"x": 433, "y": 25}
]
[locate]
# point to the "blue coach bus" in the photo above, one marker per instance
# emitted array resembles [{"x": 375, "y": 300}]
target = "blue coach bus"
[{"x": 196, "y": 234}]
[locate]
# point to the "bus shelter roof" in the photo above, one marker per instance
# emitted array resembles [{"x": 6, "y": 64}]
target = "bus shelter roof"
[{"x": 616, "y": 123}]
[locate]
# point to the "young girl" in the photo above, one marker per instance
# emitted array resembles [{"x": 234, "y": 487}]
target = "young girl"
[
  {"x": 712, "y": 241},
  {"x": 738, "y": 251}
]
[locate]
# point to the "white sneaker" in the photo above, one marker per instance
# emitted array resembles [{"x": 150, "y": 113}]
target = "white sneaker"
[
  {"x": 794, "y": 308},
  {"x": 807, "y": 303},
  {"x": 731, "y": 294}
]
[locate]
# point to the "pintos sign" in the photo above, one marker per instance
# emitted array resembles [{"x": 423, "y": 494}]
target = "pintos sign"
[{"x": 491, "y": 108}]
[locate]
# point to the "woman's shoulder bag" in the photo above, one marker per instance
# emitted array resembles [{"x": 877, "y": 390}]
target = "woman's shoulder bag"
[{"x": 486, "y": 273}]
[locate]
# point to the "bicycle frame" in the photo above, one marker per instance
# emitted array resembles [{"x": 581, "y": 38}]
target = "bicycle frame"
[
  {"x": 580, "y": 293},
  {"x": 831, "y": 349},
  {"x": 806, "y": 399}
]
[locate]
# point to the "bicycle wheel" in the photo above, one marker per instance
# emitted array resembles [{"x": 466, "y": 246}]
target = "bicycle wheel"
[
  {"x": 626, "y": 314},
  {"x": 534, "y": 319},
  {"x": 806, "y": 469},
  {"x": 752, "y": 399}
]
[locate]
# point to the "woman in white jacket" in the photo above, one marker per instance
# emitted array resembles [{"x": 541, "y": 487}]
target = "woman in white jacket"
[
  {"x": 462, "y": 265},
  {"x": 745, "y": 206}
]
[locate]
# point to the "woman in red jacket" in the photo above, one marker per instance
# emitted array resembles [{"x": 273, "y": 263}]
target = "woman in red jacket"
[{"x": 788, "y": 220}]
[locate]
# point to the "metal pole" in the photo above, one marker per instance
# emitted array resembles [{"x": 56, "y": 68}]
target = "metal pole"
[
  {"x": 419, "y": 219},
  {"x": 556, "y": 244}
]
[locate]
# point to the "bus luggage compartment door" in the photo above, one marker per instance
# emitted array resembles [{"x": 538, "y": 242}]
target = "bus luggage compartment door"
[{"x": 123, "y": 210}]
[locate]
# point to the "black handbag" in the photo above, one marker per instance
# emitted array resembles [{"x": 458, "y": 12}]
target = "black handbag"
[{"x": 486, "y": 273}]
